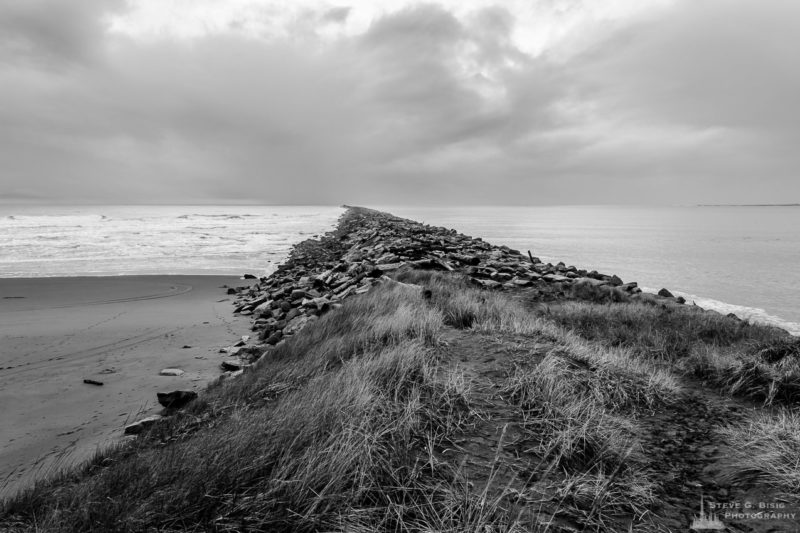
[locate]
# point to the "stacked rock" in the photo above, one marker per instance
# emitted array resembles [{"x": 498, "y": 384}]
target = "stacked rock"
[
  {"x": 366, "y": 246},
  {"x": 320, "y": 273}
]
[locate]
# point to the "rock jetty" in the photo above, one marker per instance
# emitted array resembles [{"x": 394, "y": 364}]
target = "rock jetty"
[
  {"x": 420, "y": 395},
  {"x": 367, "y": 245}
]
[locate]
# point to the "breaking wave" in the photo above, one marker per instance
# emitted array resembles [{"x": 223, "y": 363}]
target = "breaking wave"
[{"x": 754, "y": 315}]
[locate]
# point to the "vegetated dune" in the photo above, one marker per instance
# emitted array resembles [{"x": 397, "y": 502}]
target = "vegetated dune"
[{"x": 408, "y": 378}]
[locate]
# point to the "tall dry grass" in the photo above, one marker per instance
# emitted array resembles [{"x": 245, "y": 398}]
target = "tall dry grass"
[
  {"x": 334, "y": 430},
  {"x": 340, "y": 428},
  {"x": 767, "y": 449},
  {"x": 751, "y": 360},
  {"x": 576, "y": 423},
  {"x": 463, "y": 306}
]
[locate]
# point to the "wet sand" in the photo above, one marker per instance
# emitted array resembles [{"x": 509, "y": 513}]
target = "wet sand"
[{"x": 121, "y": 331}]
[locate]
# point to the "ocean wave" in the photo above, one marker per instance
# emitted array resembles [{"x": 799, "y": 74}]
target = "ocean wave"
[
  {"x": 56, "y": 216},
  {"x": 164, "y": 240},
  {"x": 755, "y": 315},
  {"x": 226, "y": 217}
]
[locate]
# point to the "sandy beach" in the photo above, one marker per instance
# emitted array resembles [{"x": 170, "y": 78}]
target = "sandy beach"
[{"x": 120, "y": 331}]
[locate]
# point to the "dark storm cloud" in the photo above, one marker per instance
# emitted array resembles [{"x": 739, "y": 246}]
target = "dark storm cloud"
[
  {"x": 689, "y": 105},
  {"x": 52, "y": 34},
  {"x": 418, "y": 100},
  {"x": 337, "y": 14},
  {"x": 221, "y": 118}
]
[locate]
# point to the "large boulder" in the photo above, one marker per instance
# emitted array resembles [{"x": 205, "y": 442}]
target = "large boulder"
[
  {"x": 264, "y": 309},
  {"x": 502, "y": 277},
  {"x": 231, "y": 365},
  {"x": 555, "y": 278},
  {"x": 176, "y": 399},
  {"x": 298, "y": 294},
  {"x": 388, "y": 267},
  {"x": 487, "y": 283},
  {"x": 274, "y": 338},
  {"x": 141, "y": 425},
  {"x": 466, "y": 259}
]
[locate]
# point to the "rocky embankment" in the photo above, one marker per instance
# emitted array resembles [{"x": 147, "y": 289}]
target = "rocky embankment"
[{"x": 368, "y": 244}]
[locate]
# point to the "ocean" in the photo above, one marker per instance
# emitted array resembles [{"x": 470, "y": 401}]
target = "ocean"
[
  {"x": 37, "y": 241},
  {"x": 732, "y": 259}
]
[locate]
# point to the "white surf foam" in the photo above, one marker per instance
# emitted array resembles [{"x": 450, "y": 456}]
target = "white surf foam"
[
  {"x": 754, "y": 315},
  {"x": 108, "y": 240}
]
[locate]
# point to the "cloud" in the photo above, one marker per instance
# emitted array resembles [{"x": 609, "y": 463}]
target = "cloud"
[
  {"x": 426, "y": 104},
  {"x": 337, "y": 15},
  {"x": 703, "y": 92},
  {"x": 717, "y": 63},
  {"x": 221, "y": 117},
  {"x": 52, "y": 34}
]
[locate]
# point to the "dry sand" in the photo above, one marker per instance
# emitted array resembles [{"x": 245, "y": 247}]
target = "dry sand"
[{"x": 121, "y": 331}]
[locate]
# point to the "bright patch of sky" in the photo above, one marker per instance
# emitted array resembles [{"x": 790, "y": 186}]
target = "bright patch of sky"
[{"x": 557, "y": 26}]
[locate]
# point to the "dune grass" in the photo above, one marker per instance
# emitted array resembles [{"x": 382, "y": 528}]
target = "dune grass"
[
  {"x": 743, "y": 372},
  {"x": 338, "y": 443},
  {"x": 660, "y": 333},
  {"x": 579, "y": 421},
  {"x": 750, "y": 360},
  {"x": 768, "y": 449},
  {"x": 463, "y": 306},
  {"x": 341, "y": 427},
  {"x": 599, "y": 294},
  {"x": 334, "y": 430},
  {"x": 575, "y": 405}
]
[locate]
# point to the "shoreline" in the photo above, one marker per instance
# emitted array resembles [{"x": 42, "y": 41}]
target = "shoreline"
[
  {"x": 394, "y": 360},
  {"x": 744, "y": 283},
  {"x": 116, "y": 330},
  {"x": 87, "y": 302}
]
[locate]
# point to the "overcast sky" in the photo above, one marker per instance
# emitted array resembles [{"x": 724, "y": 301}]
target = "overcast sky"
[{"x": 367, "y": 102}]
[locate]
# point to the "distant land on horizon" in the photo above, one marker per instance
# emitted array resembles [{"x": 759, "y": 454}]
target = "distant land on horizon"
[
  {"x": 748, "y": 205},
  {"x": 227, "y": 203}
]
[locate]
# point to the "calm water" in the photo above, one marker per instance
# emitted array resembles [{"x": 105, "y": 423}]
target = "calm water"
[
  {"x": 744, "y": 260},
  {"x": 733, "y": 259}
]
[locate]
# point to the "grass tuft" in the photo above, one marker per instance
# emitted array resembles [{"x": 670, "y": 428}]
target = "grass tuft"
[
  {"x": 768, "y": 448},
  {"x": 743, "y": 359}
]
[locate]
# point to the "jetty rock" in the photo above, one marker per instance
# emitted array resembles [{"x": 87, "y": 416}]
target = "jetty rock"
[
  {"x": 231, "y": 365},
  {"x": 141, "y": 425},
  {"x": 320, "y": 273},
  {"x": 176, "y": 399}
]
